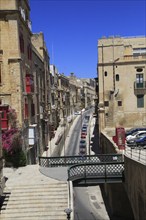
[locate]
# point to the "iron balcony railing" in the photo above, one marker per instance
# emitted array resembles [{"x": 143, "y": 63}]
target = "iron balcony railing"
[
  {"x": 140, "y": 88},
  {"x": 72, "y": 160},
  {"x": 140, "y": 85}
]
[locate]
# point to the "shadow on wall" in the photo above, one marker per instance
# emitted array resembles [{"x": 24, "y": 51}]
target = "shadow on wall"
[{"x": 95, "y": 140}]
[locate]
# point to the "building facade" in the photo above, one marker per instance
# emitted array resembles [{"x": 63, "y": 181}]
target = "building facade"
[
  {"x": 88, "y": 92},
  {"x": 24, "y": 77},
  {"x": 122, "y": 77},
  {"x": 40, "y": 96},
  {"x": 55, "y": 117}
]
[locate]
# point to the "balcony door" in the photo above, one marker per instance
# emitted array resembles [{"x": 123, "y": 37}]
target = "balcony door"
[{"x": 139, "y": 80}]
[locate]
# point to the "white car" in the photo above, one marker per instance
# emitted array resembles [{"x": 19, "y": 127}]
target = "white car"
[
  {"x": 136, "y": 134},
  {"x": 78, "y": 113}
]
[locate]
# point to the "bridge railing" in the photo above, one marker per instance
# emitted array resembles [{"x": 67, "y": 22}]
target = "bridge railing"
[
  {"x": 71, "y": 160},
  {"x": 99, "y": 171},
  {"x": 136, "y": 153}
]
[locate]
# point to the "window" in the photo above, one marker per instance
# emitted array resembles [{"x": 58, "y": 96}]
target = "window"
[
  {"x": 32, "y": 109},
  {"x": 29, "y": 52},
  {"x": 21, "y": 43},
  {"x": 139, "y": 51},
  {"x": 105, "y": 73},
  {"x": 106, "y": 103},
  {"x": 119, "y": 103},
  {"x": 140, "y": 101},
  {"x": 139, "y": 80},
  {"x": 29, "y": 83},
  {"x": 139, "y": 69},
  {"x": 0, "y": 73},
  {"x": 26, "y": 109},
  {"x": 117, "y": 77}
]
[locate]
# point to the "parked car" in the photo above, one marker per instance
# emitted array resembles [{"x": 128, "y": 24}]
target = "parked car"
[
  {"x": 85, "y": 126},
  {"x": 132, "y": 142},
  {"x": 141, "y": 142},
  {"x": 137, "y": 142},
  {"x": 84, "y": 130},
  {"x": 82, "y": 143},
  {"x": 82, "y": 151},
  {"x": 78, "y": 113},
  {"x": 87, "y": 117},
  {"x": 132, "y": 130},
  {"x": 86, "y": 121},
  {"x": 136, "y": 134},
  {"x": 83, "y": 135}
]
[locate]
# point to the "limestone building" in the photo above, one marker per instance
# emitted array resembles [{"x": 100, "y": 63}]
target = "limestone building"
[
  {"x": 122, "y": 81},
  {"x": 55, "y": 117},
  {"x": 24, "y": 76},
  {"x": 63, "y": 97},
  {"x": 88, "y": 92}
]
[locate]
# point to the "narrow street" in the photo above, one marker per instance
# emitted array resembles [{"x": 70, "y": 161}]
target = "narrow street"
[{"x": 88, "y": 201}]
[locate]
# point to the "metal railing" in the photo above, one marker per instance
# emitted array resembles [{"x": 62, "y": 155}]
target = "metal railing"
[
  {"x": 136, "y": 153},
  {"x": 72, "y": 160},
  {"x": 110, "y": 171},
  {"x": 140, "y": 85}
]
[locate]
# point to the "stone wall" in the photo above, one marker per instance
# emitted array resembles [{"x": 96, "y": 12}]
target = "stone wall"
[
  {"x": 135, "y": 185},
  {"x": 116, "y": 193}
]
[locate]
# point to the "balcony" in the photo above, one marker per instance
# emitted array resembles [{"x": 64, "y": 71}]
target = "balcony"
[
  {"x": 134, "y": 58},
  {"x": 29, "y": 84},
  {"x": 29, "y": 25},
  {"x": 4, "y": 117},
  {"x": 140, "y": 88}
]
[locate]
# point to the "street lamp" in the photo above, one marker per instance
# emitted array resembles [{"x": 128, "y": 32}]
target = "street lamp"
[{"x": 68, "y": 212}]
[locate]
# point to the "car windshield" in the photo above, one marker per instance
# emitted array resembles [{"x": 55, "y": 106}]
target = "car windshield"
[
  {"x": 142, "y": 134},
  {"x": 82, "y": 142},
  {"x": 134, "y": 133}
]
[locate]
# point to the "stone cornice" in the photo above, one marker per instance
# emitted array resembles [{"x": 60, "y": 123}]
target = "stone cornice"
[{"x": 123, "y": 63}]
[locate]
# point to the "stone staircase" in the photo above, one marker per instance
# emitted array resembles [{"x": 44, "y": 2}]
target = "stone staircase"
[{"x": 34, "y": 197}]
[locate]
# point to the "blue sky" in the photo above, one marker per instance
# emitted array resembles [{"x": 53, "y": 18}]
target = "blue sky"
[{"x": 72, "y": 29}]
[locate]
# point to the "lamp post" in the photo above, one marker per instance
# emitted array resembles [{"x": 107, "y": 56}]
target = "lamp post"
[
  {"x": 64, "y": 125},
  {"x": 68, "y": 212},
  {"x": 64, "y": 139},
  {"x": 114, "y": 85},
  {"x": 89, "y": 142}
]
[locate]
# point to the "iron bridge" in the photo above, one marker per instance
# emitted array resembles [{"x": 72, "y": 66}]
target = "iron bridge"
[{"x": 89, "y": 169}]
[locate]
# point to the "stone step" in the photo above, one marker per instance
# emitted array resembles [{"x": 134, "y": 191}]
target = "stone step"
[
  {"x": 38, "y": 190},
  {"x": 34, "y": 216},
  {"x": 36, "y": 185},
  {"x": 31, "y": 199},
  {"x": 38, "y": 193},
  {"x": 20, "y": 210},
  {"x": 17, "y": 204},
  {"x": 47, "y": 184},
  {"x": 35, "y": 198}
]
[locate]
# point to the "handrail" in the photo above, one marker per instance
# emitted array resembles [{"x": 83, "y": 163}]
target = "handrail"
[
  {"x": 71, "y": 160},
  {"x": 136, "y": 153},
  {"x": 70, "y": 199},
  {"x": 99, "y": 170}
]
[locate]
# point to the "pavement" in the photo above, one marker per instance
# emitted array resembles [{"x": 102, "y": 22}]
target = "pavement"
[
  {"x": 29, "y": 179},
  {"x": 60, "y": 130}
]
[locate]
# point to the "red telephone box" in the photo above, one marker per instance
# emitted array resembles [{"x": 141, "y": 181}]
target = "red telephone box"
[{"x": 119, "y": 138}]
